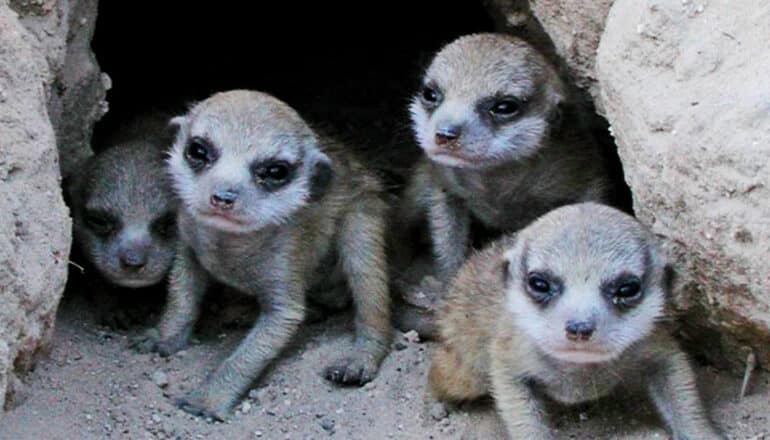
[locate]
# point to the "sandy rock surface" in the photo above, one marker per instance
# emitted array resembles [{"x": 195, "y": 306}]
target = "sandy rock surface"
[
  {"x": 93, "y": 387},
  {"x": 685, "y": 87},
  {"x": 34, "y": 223},
  {"x": 76, "y": 95}
]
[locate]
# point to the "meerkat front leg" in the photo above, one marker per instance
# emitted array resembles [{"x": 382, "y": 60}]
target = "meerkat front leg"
[
  {"x": 673, "y": 391},
  {"x": 187, "y": 283},
  {"x": 362, "y": 250},
  {"x": 450, "y": 227},
  {"x": 517, "y": 405},
  {"x": 281, "y": 315}
]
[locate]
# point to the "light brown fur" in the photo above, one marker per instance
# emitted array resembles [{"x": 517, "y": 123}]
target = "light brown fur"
[
  {"x": 289, "y": 245},
  {"x": 496, "y": 340}
]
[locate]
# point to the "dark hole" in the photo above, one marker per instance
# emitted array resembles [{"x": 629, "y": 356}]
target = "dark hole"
[{"x": 350, "y": 68}]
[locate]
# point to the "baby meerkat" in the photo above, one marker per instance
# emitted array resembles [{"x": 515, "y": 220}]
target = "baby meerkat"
[
  {"x": 272, "y": 210},
  {"x": 504, "y": 144},
  {"x": 124, "y": 212},
  {"x": 569, "y": 307}
]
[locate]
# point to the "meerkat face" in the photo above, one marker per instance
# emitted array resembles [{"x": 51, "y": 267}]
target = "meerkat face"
[
  {"x": 125, "y": 222},
  {"x": 244, "y": 160},
  {"x": 485, "y": 100},
  {"x": 585, "y": 282}
]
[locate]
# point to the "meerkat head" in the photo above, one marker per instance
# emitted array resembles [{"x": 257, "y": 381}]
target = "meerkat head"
[
  {"x": 585, "y": 282},
  {"x": 244, "y": 160},
  {"x": 124, "y": 214},
  {"x": 486, "y": 99}
]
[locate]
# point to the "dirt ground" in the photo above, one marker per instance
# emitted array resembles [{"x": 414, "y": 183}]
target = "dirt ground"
[{"x": 93, "y": 386}]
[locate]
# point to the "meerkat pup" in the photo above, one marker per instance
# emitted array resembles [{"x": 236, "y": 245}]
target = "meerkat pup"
[
  {"x": 124, "y": 213},
  {"x": 503, "y": 141},
  {"x": 570, "y": 307},
  {"x": 272, "y": 210}
]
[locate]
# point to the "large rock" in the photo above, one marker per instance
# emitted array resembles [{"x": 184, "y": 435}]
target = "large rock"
[
  {"x": 34, "y": 222},
  {"x": 575, "y": 27},
  {"x": 570, "y": 29},
  {"x": 685, "y": 87},
  {"x": 64, "y": 29}
]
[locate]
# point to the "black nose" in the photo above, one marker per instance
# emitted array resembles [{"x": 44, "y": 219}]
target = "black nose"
[
  {"x": 446, "y": 134},
  {"x": 580, "y": 330},
  {"x": 224, "y": 199},
  {"x": 133, "y": 258}
]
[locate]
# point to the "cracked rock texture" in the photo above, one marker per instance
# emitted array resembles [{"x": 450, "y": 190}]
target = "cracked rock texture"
[
  {"x": 76, "y": 95},
  {"x": 685, "y": 87},
  {"x": 34, "y": 222}
]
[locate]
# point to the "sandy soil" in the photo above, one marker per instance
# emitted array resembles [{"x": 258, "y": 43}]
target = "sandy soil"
[{"x": 94, "y": 386}]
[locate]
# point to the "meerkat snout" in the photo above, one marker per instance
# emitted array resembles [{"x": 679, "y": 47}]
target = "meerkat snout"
[
  {"x": 580, "y": 330},
  {"x": 133, "y": 255},
  {"x": 224, "y": 200}
]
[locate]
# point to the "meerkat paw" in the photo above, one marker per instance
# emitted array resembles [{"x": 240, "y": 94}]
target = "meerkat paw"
[
  {"x": 197, "y": 404},
  {"x": 353, "y": 370},
  {"x": 150, "y": 341},
  {"x": 146, "y": 342},
  {"x": 114, "y": 319}
]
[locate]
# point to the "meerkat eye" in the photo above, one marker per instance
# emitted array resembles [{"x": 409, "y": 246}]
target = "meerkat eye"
[
  {"x": 540, "y": 288},
  {"x": 273, "y": 174},
  {"x": 430, "y": 96},
  {"x": 199, "y": 154},
  {"x": 165, "y": 225},
  {"x": 100, "y": 223},
  {"x": 628, "y": 289},
  {"x": 505, "y": 108},
  {"x": 625, "y": 291},
  {"x": 538, "y": 283}
]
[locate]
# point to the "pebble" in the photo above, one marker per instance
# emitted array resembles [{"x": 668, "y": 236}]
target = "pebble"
[
  {"x": 327, "y": 424},
  {"x": 160, "y": 379},
  {"x": 245, "y": 407},
  {"x": 438, "y": 411},
  {"x": 412, "y": 336}
]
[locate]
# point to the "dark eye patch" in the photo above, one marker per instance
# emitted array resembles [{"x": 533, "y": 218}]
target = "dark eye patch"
[
  {"x": 273, "y": 173},
  {"x": 100, "y": 222},
  {"x": 430, "y": 95},
  {"x": 499, "y": 109},
  {"x": 624, "y": 291},
  {"x": 542, "y": 286},
  {"x": 164, "y": 226},
  {"x": 200, "y": 153}
]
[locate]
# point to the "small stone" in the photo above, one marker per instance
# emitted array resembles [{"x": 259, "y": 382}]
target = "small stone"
[
  {"x": 258, "y": 434},
  {"x": 412, "y": 336},
  {"x": 438, "y": 411},
  {"x": 155, "y": 418},
  {"x": 254, "y": 394},
  {"x": 583, "y": 417},
  {"x": 160, "y": 379},
  {"x": 246, "y": 407},
  {"x": 327, "y": 424}
]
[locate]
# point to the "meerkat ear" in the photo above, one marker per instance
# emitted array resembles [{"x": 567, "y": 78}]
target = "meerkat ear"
[
  {"x": 321, "y": 176},
  {"x": 511, "y": 260},
  {"x": 175, "y": 125},
  {"x": 557, "y": 106}
]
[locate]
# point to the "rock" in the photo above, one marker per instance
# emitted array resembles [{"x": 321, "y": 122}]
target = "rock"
[
  {"x": 34, "y": 223},
  {"x": 63, "y": 31},
  {"x": 438, "y": 411},
  {"x": 327, "y": 424},
  {"x": 412, "y": 337},
  {"x": 575, "y": 27},
  {"x": 160, "y": 379},
  {"x": 684, "y": 86}
]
